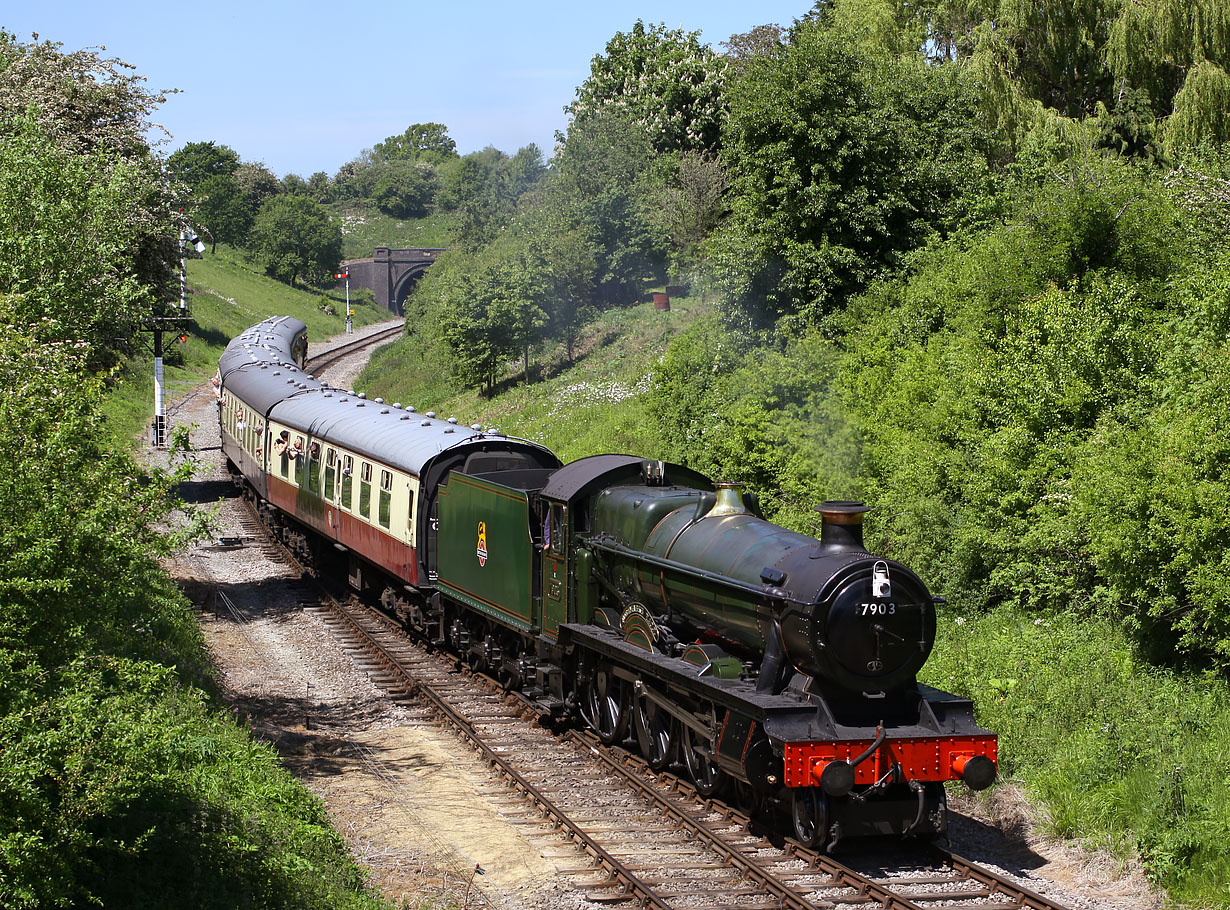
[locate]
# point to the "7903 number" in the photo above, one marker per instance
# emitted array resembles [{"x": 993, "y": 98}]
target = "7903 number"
[{"x": 877, "y": 609}]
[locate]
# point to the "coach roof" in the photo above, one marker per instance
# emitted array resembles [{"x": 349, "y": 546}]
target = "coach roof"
[
  {"x": 392, "y": 436},
  {"x": 271, "y": 341},
  {"x": 262, "y": 385}
]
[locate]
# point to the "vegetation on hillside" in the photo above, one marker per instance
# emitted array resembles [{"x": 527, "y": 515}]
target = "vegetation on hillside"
[
  {"x": 963, "y": 261},
  {"x": 123, "y": 781}
]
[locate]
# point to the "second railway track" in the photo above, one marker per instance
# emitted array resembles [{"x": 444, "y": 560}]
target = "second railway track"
[{"x": 334, "y": 355}]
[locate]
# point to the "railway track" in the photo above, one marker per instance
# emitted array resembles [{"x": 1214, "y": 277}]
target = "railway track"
[{"x": 328, "y": 358}]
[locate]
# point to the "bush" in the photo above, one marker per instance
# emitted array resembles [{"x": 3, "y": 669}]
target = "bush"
[
  {"x": 1121, "y": 754},
  {"x": 119, "y": 784}
]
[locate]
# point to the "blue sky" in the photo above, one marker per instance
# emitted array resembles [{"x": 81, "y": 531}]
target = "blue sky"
[{"x": 304, "y": 87}]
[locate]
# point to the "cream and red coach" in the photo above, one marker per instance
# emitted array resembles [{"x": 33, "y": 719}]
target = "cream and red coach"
[{"x": 362, "y": 474}]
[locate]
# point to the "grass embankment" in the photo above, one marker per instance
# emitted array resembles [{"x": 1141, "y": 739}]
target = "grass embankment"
[
  {"x": 593, "y": 405},
  {"x": 364, "y": 229},
  {"x": 1112, "y": 751},
  {"x": 229, "y": 294},
  {"x": 1116, "y": 753}
]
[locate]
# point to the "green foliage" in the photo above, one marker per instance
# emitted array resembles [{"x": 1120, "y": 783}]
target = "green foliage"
[
  {"x": 1037, "y": 415},
  {"x": 840, "y": 159},
  {"x": 123, "y": 788},
  {"x": 665, "y": 80},
  {"x": 587, "y": 401},
  {"x": 223, "y": 211},
  {"x": 69, "y": 232},
  {"x": 296, "y": 238},
  {"x": 196, "y": 162},
  {"x": 483, "y": 189},
  {"x": 404, "y": 189},
  {"x": 86, "y": 230},
  {"x": 767, "y": 419},
  {"x": 481, "y": 310},
  {"x": 1121, "y": 755},
  {"x": 426, "y": 142},
  {"x": 1201, "y": 108},
  {"x": 601, "y": 185},
  {"x": 687, "y": 206},
  {"x": 119, "y": 785}
]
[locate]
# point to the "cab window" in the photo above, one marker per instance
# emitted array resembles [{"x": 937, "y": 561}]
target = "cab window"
[{"x": 555, "y": 527}]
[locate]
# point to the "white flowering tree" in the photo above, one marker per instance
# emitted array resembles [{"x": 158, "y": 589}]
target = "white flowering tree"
[
  {"x": 670, "y": 83},
  {"x": 87, "y": 231}
]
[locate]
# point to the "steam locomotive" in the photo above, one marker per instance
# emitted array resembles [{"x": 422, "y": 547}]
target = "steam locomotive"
[{"x": 636, "y": 596}]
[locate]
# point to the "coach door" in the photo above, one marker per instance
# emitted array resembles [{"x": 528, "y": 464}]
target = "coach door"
[{"x": 554, "y": 568}]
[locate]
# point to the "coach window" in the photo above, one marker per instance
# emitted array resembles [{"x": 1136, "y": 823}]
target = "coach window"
[
  {"x": 297, "y": 455},
  {"x": 386, "y": 498},
  {"x": 365, "y": 491},
  {"x": 330, "y": 473},
  {"x": 313, "y": 467},
  {"x": 347, "y": 479}
]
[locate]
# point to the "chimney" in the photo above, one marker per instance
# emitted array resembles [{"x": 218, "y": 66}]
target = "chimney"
[{"x": 842, "y": 525}]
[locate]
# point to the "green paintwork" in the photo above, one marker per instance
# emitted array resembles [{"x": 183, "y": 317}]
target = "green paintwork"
[
  {"x": 496, "y": 581},
  {"x": 586, "y": 587},
  {"x": 670, "y": 523}
]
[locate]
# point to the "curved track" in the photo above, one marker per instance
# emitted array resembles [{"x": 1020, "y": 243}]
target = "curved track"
[
  {"x": 332, "y": 356},
  {"x": 652, "y": 834}
]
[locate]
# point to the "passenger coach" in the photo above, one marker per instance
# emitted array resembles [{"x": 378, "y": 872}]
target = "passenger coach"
[{"x": 363, "y": 474}]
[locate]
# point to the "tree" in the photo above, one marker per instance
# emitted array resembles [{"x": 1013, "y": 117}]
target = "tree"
[
  {"x": 665, "y": 79},
  {"x": 426, "y": 142},
  {"x": 601, "y": 186},
  {"x": 83, "y": 103},
  {"x": 294, "y": 185},
  {"x": 690, "y": 204},
  {"x": 320, "y": 188},
  {"x": 256, "y": 182},
  {"x": 484, "y": 187},
  {"x": 403, "y": 188},
  {"x": 761, "y": 41},
  {"x": 295, "y": 238},
  {"x": 87, "y": 231},
  {"x": 196, "y": 162},
  {"x": 219, "y": 207},
  {"x": 223, "y": 210},
  {"x": 840, "y": 159}
]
